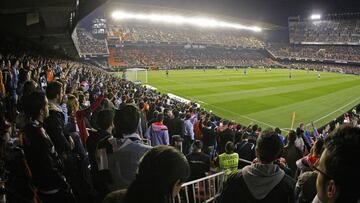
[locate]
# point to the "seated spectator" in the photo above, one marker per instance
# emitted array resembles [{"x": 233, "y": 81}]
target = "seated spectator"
[
  {"x": 44, "y": 162},
  {"x": 199, "y": 162},
  {"x": 228, "y": 161},
  {"x": 291, "y": 153},
  {"x": 338, "y": 170},
  {"x": 158, "y": 133},
  {"x": 161, "y": 173},
  {"x": 262, "y": 181}
]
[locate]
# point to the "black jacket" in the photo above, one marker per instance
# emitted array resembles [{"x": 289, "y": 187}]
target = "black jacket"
[
  {"x": 175, "y": 127},
  {"x": 43, "y": 161},
  {"x": 54, "y": 126},
  {"x": 209, "y": 136}
]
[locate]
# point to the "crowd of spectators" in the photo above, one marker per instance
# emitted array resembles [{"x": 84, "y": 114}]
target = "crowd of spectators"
[
  {"x": 328, "y": 52},
  {"x": 178, "y": 56},
  {"x": 73, "y": 133},
  {"x": 87, "y": 44},
  {"x": 325, "y": 31},
  {"x": 347, "y": 69},
  {"x": 154, "y": 33}
]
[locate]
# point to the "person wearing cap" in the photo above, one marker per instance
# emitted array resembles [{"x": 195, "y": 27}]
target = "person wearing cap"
[{"x": 199, "y": 162}]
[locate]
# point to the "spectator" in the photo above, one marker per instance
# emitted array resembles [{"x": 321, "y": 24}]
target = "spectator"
[
  {"x": 291, "y": 153},
  {"x": 54, "y": 124},
  {"x": 338, "y": 169},
  {"x": 228, "y": 161},
  {"x": 189, "y": 135},
  {"x": 124, "y": 160},
  {"x": 199, "y": 162},
  {"x": 246, "y": 149},
  {"x": 160, "y": 175},
  {"x": 305, "y": 163},
  {"x": 225, "y": 135},
  {"x": 158, "y": 133},
  {"x": 263, "y": 181},
  {"x": 177, "y": 142},
  {"x": 44, "y": 162},
  {"x": 175, "y": 125},
  {"x": 209, "y": 139},
  {"x": 100, "y": 177}
]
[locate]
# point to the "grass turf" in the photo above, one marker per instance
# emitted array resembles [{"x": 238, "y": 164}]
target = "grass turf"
[{"x": 265, "y": 98}]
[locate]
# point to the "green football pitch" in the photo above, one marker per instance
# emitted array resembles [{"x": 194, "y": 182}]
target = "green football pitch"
[{"x": 265, "y": 98}]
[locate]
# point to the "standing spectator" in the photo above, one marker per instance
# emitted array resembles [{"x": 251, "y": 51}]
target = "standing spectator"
[
  {"x": 209, "y": 139},
  {"x": 338, "y": 170},
  {"x": 282, "y": 138},
  {"x": 189, "y": 135},
  {"x": 54, "y": 124},
  {"x": 262, "y": 181},
  {"x": 225, "y": 135},
  {"x": 158, "y": 133},
  {"x": 177, "y": 142},
  {"x": 124, "y": 160},
  {"x": 44, "y": 163},
  {"x": 199, "y": 162},
  {"x": 246, "y": 149},
  {"x": 100, "y": 177},
  {"x": 228, "y": 161},
  {"x": 175, "y": 125},
  {"x": 291, "y": 153},
  {"x": 160, "y": 175}
]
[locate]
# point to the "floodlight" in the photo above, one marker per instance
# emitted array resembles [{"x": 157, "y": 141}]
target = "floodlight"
[
  {"x": 315, "y": 17},
  {"x": 177, "y": 19}
]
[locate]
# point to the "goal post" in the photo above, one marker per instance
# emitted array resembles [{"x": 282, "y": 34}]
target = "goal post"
[{"x": 137, "y": 75}]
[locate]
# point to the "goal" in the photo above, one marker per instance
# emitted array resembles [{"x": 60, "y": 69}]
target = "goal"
[{"x": 137, "y": 75}]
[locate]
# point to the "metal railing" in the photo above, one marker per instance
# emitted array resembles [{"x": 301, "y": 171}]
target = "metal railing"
[{"x": 201, "y": 190}]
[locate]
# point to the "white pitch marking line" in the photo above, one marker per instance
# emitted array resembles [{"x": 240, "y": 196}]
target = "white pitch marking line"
[{"x": 337, "y": 110}]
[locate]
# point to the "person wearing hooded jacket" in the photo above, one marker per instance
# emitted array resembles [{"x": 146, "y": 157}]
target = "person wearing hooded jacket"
[{"x": 263, "y": 181}]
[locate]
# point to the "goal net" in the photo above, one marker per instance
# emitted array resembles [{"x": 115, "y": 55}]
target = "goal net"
[{"x": 137, "y": 75}]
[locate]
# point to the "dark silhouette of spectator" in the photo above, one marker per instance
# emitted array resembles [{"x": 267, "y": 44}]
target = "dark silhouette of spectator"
[
  {"x": 161, "y": 172},
  {"x": 339, "y": 167},
  {"x": 291, "y": 153},
  {"x": 199, "y": 162},
  {"x": 43, "y": 160}
]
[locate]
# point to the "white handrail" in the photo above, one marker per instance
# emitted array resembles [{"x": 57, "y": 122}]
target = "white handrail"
[{"x": 201, "y": 190}]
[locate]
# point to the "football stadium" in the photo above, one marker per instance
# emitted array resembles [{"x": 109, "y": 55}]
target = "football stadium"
[{"x": 181, "y": 101}]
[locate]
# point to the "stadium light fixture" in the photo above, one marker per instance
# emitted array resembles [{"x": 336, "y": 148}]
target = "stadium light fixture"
[
  {"x": 177, "y": 19},
  {"x": 315, "y": 17}
]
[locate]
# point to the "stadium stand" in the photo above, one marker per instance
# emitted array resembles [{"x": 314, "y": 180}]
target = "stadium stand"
[
  {"x": 153, "y": 33},
  {"x": 331, "y": 29},
  {"x": 327, "y": 52},
  {"x": 86, "y": 44},
  {"x": 178, "y": 56}
]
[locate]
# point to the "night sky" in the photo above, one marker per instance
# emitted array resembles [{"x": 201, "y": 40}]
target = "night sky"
[{"x": 270, "y": 11}]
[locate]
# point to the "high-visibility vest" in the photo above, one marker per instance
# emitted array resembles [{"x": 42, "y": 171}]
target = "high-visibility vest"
[{"x": 229, "y": 163}]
